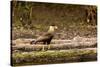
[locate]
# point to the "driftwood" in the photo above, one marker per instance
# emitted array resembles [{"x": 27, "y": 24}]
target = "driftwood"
[
  {"x": 52, "y": 46},
  {"x": 23, "y": 44},
  {"x": 54, "y": 41}
]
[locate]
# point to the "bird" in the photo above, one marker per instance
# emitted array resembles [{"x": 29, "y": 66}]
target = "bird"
[{"x": 46, "y": 37}]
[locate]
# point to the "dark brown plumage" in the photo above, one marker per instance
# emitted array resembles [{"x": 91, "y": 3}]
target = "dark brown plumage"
[{"x": 47, "y": 37}]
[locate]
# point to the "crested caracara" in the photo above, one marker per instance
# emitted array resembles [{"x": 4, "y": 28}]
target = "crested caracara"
[{"x": 47, "y": 37}]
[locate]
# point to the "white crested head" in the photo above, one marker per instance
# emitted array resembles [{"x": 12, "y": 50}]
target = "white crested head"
[{"x": 52, "y": 29}]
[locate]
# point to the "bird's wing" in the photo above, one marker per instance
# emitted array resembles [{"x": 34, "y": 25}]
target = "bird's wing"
[{"x": 44, "y": 37}]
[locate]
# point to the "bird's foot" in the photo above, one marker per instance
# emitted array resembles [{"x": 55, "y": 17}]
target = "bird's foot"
[
  {"x": 43, "y": 49},
  {"x": 48, "y": 47}
]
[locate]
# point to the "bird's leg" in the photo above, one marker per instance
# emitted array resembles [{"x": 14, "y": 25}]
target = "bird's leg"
[
  {"x": 48, "y": 43},
  {"x": 48, "y": 46},
  {"x": 43, "y": 46}
]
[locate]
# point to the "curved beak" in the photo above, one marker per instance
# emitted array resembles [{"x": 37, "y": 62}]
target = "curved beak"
[{"x": 56, "y": 27}]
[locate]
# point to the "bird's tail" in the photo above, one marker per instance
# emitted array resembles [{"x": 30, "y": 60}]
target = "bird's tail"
[{"x": 32, "y": 42}]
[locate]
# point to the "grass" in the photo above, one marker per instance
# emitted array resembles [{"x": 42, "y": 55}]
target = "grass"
[{"x": 48, "y": 57}]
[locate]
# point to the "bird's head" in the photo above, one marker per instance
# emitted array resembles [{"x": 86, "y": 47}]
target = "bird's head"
[
  {"x": 52, "y": 28},
  {"x": 55, "y": 27}
]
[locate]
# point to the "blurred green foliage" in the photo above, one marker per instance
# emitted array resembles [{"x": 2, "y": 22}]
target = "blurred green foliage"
[
  {"x": 50, "y": 57},
  {"x": 31, "y": 15},
  {"x": 36, "y": 17}
]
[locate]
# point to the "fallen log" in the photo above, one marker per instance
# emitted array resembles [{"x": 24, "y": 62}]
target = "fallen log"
[
  {"x": 52, "y": 57},
  {"x": 39, "y": 47},
  {"x": 54, "y": 41},
  {"x": 76, "y": 42}
]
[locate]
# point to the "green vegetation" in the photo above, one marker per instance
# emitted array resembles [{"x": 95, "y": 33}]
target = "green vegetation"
[{"x": 45, "y": 57}]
